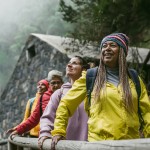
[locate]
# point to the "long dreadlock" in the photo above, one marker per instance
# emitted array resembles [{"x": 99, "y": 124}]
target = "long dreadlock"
[{"x": 100, "y": 82}]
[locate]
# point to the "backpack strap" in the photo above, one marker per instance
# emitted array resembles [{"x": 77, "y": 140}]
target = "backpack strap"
[
  {"x": 90, "y": 80},
  {"x": 31, "y": 100},
  {"x": 134, "y": 76},
  {"x": 41, "y": 112}
]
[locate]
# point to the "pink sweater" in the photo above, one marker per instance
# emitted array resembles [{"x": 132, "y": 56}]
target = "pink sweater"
[{"x": 77, "y": 128}]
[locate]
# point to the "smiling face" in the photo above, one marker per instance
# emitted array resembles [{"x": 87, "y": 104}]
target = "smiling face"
[
  {"x": 56, "y": 83},
  {"x": 74, "y": 68},
  {"x": 41, "y": 87},
  {"x": 110, "y": 54}
]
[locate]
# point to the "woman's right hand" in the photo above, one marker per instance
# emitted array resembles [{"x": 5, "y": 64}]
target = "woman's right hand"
[{"x": 55, "y": 140}]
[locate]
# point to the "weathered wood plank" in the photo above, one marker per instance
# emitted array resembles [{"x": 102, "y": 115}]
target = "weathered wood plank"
[{"x": 135, "y": 144}]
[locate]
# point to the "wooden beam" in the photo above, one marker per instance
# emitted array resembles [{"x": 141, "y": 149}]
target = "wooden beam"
[{"x": 134, "y": 144}]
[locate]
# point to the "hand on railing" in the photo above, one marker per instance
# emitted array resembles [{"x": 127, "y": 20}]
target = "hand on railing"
[
  {"x": 12, "y": 132},
  {"x": 55, "y": 140},
  {"x": 41, "y": 140}
]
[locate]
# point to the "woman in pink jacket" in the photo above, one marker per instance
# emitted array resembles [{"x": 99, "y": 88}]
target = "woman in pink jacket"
[{"x": 77, "y": 124}]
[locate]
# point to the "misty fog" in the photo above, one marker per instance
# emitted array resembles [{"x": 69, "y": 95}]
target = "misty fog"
[
  {"x": 19, "y": 18},
  {"x": 23, "y": 11}
]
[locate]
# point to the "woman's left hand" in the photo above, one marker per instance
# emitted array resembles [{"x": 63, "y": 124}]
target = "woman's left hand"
[{"x": 55, "y": 140}]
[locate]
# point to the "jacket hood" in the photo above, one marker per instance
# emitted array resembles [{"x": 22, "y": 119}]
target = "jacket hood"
[
  {"x": 66, "y": 85},
  {"x": 48, "y": 92}
]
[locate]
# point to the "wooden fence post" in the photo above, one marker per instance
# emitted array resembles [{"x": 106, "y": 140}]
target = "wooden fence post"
[{"x": 12, "y": 146}]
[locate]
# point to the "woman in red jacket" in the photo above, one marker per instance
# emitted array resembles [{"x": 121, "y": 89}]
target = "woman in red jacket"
[{"x": 33, "y": 120}]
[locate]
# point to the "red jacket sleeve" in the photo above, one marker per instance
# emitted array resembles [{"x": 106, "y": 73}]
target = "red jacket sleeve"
[{"x": 34, "y": 118}]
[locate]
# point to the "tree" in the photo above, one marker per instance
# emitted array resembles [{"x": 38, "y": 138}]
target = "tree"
[{"x": 94, "y": 19}]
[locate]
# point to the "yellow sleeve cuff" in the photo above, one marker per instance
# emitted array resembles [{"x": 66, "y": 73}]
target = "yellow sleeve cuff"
[{"x": 58, "y": 132}]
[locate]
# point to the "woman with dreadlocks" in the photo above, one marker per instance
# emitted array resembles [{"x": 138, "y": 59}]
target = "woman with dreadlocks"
[{"x": 113, "y": 111}]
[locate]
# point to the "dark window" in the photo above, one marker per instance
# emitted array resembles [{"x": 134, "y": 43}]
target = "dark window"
[{"x": 31, "y": 51}]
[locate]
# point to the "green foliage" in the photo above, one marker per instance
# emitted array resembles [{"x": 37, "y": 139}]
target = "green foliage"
[{"x": 95, "y": 18}]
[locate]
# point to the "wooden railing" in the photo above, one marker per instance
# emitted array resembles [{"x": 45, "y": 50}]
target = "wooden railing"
[
  {"x": 3, "y": 141},
  {"x": 18, "y": 143},
  {"x": 3, "y": 144}
]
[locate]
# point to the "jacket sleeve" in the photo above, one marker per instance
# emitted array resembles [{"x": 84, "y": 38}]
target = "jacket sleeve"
[
  {"x": 145, "y": 109},
  {"x": 34, "y": 118},
  {"x": 68, "y": 105},
  {"x": 26, "y": 114},
  {"x": 49, "y": 114},
  {"x": 31, "y": 122}
]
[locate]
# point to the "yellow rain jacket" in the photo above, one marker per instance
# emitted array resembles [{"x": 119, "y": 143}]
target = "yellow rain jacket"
[
  {"x": 34, "y": 131},
  {"x": 109, "y": 119}
]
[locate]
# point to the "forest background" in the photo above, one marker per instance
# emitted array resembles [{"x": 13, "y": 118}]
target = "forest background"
[{"x": 86, "y": 20}]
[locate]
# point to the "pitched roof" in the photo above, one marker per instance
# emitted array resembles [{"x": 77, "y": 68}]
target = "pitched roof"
[{"x": 73, "y": 47}]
